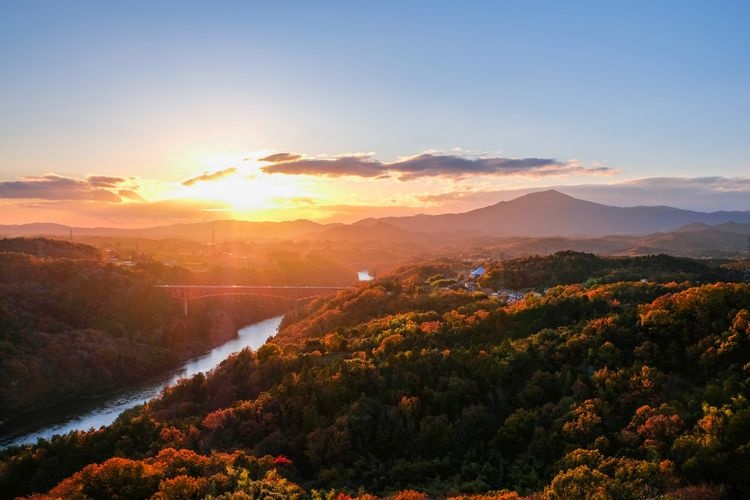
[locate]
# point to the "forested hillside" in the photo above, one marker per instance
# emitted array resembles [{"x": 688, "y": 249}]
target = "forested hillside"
[
  {"x": 75, "y": 326},
  {"x": 565, "y": 268},
  {"x": 626, "y": 389},
  {"x": 45, "y": 247}
]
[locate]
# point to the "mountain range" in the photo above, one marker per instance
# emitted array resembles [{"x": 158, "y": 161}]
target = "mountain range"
[
  {"x": 540, "y": 220},
  {"x": 551, "y": 213}
]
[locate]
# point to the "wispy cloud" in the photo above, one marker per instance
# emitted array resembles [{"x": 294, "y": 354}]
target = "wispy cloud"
[
  {"x": 278, "y": 157},
  {"x": 56, "y": 187},
  {"x": 209, "y": 176},
  {"x": 104, "y": 181},
  {"x": 426, "y": 165},
  {"x": 130, "y": 194}
]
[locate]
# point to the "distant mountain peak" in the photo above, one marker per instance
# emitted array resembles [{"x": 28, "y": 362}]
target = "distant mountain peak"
[{"x": 547, "y": 195}]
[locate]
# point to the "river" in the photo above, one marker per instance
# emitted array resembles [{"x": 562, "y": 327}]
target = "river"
[{"x": 93, "y": 413}]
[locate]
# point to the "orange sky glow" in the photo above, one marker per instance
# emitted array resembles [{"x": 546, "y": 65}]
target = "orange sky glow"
[{"x": 240, "y": 187}]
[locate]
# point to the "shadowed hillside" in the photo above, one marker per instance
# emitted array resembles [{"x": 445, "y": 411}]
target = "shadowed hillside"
[
  {"x": 45, "y": 247},
  {"x": 73, "y": 327}
]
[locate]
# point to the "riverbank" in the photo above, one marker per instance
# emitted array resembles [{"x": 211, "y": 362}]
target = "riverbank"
[
  {"x": 84, "y": 415},
  {"x": 49, "y": 357}
]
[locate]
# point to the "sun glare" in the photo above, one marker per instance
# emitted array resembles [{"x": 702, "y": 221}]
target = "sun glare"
[{"x": 245, "y": 195}]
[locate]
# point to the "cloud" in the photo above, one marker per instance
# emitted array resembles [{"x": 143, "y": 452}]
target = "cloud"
[
  {"x": 358, "y": 166},
  {"x": 56, "y": 187},
  {"x": 300, "y": 200},
  {"x": 130, "y": 194},
  {"x": 212, "y": 176},
  {"x": 104, "y": 180},
  {"x": 428, "y": 165},
  {"x": 278, "y": 157},
  {"x": 431, "y": 165}
]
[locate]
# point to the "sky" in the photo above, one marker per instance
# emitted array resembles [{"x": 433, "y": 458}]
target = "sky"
[{"x": 144, "y": 113}]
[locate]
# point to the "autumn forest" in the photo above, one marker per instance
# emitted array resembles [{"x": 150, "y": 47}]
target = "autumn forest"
[{"x": 616, "y": 377}]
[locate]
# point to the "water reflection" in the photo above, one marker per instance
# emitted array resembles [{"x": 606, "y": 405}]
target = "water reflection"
[{"x": 95, "y": 413}]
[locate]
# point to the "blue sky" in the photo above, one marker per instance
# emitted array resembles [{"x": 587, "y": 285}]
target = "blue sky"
[{"x": 164, "y": 90}]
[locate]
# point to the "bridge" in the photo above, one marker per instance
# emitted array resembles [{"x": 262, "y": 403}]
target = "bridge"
[{"x": 294, "y": 293}]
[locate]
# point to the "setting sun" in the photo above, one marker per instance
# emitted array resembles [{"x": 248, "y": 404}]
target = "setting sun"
[{"x": 245, "y": 193}]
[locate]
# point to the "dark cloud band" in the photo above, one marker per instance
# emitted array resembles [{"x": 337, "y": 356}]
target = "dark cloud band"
[
  {"x": 425, "y": 165},
  {"x": 337, "y": 167}
]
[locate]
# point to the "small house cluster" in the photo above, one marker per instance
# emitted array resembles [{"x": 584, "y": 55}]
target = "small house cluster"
[
  {"x": 508, "y": 295},
  {"x": 471, "y": 282}
]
